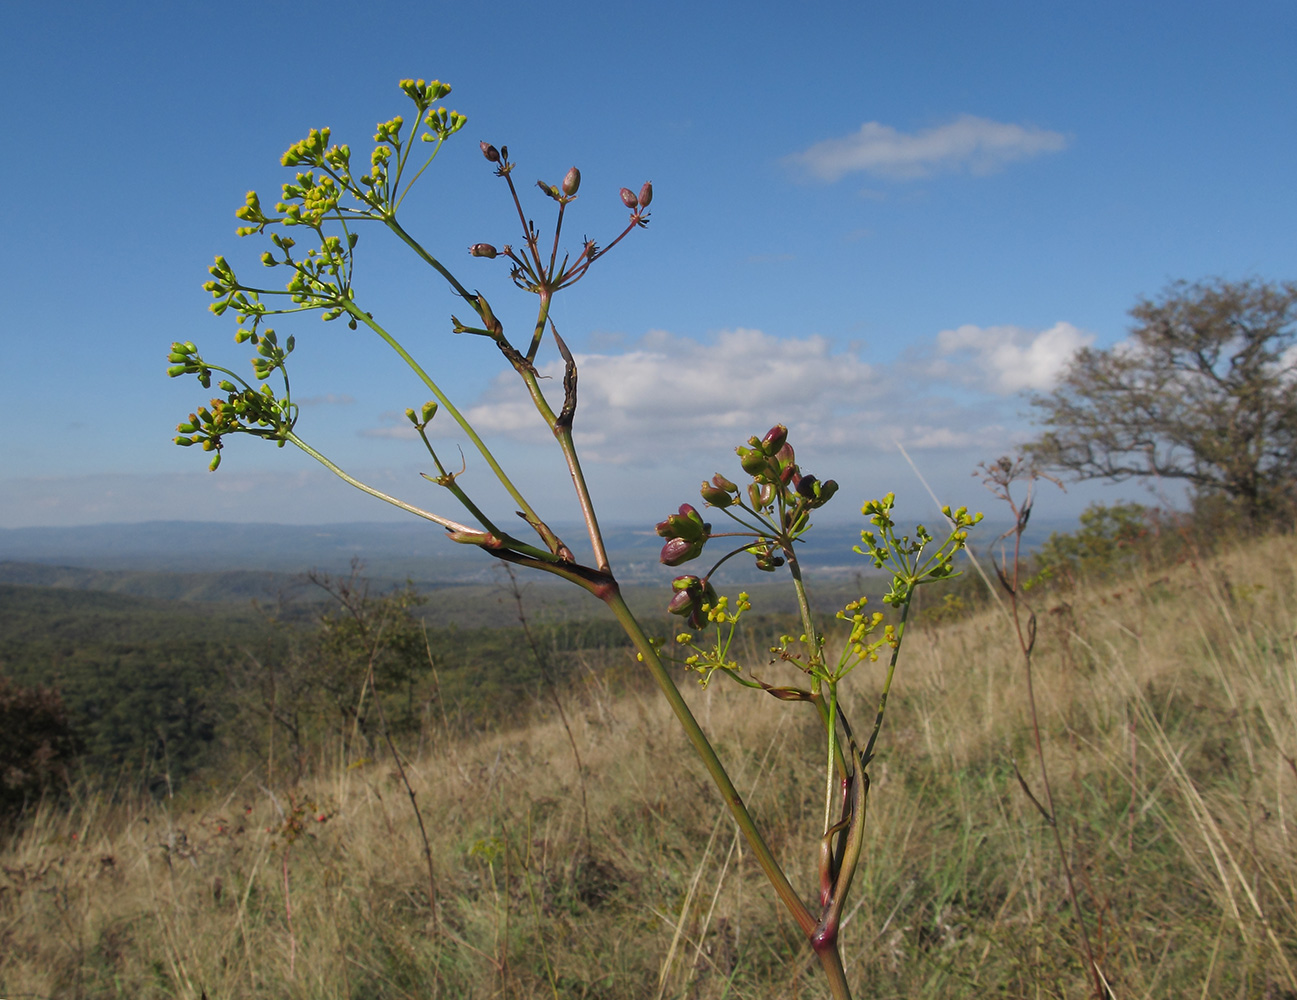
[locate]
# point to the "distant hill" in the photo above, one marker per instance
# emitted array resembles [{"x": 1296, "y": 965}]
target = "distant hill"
[
  {"x": 263, "y": 557},
  {"x": 229, "y": 585}
]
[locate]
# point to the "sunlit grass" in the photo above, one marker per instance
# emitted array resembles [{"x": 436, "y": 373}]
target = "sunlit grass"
[{"x": 1169, "y": 703}]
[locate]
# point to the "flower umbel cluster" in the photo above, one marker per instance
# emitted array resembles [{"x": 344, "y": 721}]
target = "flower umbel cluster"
[{"x": 717, "y": 656}]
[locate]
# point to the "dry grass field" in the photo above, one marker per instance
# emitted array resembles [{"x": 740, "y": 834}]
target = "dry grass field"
[{"x": 1169, "y": 708}]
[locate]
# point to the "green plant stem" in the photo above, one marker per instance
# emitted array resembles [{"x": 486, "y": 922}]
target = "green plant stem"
[
  {"x": 831, "y": 725},
  {"x": 803, "y": 601},
  {"x": 827, "y": 952},
  {"x": 868, "y": 753},
  {"x": 361, "y": 316},
  {"x": 445, "y": 522},
  {"x": 649, "y": 654},
  {"x": 838, "y": 756},
  {"x": 428, "y": 258}
]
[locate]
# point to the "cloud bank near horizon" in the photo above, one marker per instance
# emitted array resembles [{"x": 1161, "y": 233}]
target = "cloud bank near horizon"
[
  {"x": 665, "y": 391},
  {"x": 654, "y": 415}
]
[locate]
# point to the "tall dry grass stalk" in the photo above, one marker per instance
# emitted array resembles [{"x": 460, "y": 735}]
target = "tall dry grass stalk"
[{"x": 1168, "y": 705}]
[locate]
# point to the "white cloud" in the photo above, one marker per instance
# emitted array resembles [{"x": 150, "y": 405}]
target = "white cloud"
[
  {"x": 648, "y": 400},
  {"x": 1003, "y": 359},
  {"x": 667, "y": 389},
  {"x": 978, "y": 145}
]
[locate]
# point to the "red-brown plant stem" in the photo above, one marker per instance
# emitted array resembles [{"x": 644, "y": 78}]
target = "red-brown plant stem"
[{"x": 1026, "y": 642}]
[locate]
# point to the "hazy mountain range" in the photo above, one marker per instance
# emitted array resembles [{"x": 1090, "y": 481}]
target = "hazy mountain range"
[{"x": 223, "y": 561}]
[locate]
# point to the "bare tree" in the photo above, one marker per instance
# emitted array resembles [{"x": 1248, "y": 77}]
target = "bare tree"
[{"x": 1204, "y": 391}]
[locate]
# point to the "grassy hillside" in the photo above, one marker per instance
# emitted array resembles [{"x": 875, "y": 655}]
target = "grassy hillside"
[
  {"x": 168, "y": 688},
  {"x": 1169, "y": 710}
]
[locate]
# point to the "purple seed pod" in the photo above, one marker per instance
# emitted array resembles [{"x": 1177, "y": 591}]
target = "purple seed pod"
[
  {"x": 680, "y": 550},
  {"x": 628, "y": 198},
  {"x": 483, "y": 250},
  {"x": 682, "y": 603},
  {"x": 805, "y": 486},
  {"x": 490, "y": 152},
  {"x": 774, "y": 439},
  {"x": 571, "y": 182},
  {"x": 646, "y": 194}
]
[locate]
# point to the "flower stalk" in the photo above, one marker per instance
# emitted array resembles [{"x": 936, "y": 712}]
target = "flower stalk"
[{"x": 324, "y": 205}]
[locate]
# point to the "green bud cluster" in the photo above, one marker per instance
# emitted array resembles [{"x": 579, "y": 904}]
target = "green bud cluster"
[
  {"x": 424, "y": 93},
  {"x": 184, "y": 360},
  {"x": 308, "y": 150},
  {"x": 863, "y": 627},
  {"x": 326, "y": 198},
  {"x": 251, "y": 212},
  {"x": 423, "y": 417},
  {"x": 904, "y": 555},
  {"x": 270, "y": 356},
  {"x": 716, "y": 656},
  {"x": 245, "y": 411},
  {"x": 442, "y": 124},
  {"x": 310, "y": 200}
]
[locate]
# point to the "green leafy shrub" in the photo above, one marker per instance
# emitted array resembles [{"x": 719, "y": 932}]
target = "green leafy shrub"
[{"x": 37, "y": 746}]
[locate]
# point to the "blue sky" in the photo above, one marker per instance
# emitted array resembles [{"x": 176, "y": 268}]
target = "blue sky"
[{"x": 876, "y": 223}]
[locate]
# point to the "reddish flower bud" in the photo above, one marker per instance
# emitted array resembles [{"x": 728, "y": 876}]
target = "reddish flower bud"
[
  {"x": 646, "y": 194},
  {"x": 628, "y": 198},
  {"x": 571, "y": 182},
  {"x": 680, "y": 550},
  {"x": 691, "y": 594},
  {"x": 721, "y": 483},
  {"x": 681, "y": 602},
  {"x": 490, "y": 152},
  {"x": 482, "y": 250},
  {"x": 774, "y": 439},
  {"x": 686, "y": 534},
  {"x": 687, "y": 524}
]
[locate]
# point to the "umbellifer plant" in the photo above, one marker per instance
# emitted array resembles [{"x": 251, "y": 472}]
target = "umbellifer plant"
[{"x": 327, "y": 205}]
